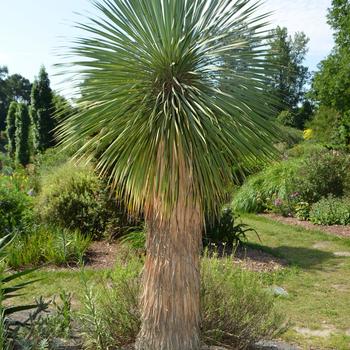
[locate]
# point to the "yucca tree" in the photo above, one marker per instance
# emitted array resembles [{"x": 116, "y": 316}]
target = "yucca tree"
[{"x": 172, "y": 97}]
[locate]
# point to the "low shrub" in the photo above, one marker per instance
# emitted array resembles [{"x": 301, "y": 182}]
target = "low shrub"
[
  {"x": 292, "y": 186},
  {"x": 73, "y": 197},
  {"x": 43, "y": 244},
  {"x": 16, "y": 205},
  {"x": 322, "y": 173},
  {"x": 227, "y": 230},
  {"x": 331, "y": 211},
  {"x": 237, "y": 310}
]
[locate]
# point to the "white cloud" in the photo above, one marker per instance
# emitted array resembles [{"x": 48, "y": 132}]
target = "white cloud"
[{"x": 308, "y": 16}]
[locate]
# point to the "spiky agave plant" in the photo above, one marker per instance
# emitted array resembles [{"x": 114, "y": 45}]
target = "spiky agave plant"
[{"x": 172, "y": 96}]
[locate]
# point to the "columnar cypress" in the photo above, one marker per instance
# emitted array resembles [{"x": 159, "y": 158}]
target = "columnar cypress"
[
  {"x": 42, "y": 112},
  {"x": 11, "y": 129},
  {"x": 22, "y": 134}
]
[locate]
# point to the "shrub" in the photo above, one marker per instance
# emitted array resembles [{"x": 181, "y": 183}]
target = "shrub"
[
  {"x": 255, "y": 195},
  {"x": 16, "y": 206},
  {"x": 322, "y": 173},
  {"x": 286, "y": 118},
  {"x": 331, "y": 211},
  {"x": 226, "y": 230},
  {"x": 293, "y": 185},
  {"x": 73, "y": 197},
  {"x": 47, "y": 245},
  {"x": 237, "y": 310},
  {"x": 325, "y": 126}
]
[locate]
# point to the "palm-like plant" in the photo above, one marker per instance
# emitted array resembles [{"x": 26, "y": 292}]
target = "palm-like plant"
[{"x": 172, "y": 96}]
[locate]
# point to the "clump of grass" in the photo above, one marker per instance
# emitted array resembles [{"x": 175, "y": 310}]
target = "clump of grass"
[
  {"x": 42, "y": 244},
  {"x": 260, "y": 188}
]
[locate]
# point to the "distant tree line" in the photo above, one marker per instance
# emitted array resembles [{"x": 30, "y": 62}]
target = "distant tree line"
[{"x": 28, "y": 114}]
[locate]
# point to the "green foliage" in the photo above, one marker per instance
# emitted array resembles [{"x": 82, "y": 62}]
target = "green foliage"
[
  {"x": 22, "y": 134},
  {"x": 331, "y": 84},
  {"x": 291, "y": 186},
  {"x": 258, "y": 191},
  {"x": 136, "y": 240},
  {"x": 331, "y": 211},
  {"x": 171, "y": 93},
  {"x": 288, "y": 82},
  {"x": 237, "y": 310},
  {"x": 11, "y": 129},
  {"x": 42, "y": 110},
  {"x": 73, "y": 197},
  {"x": 15, "y": 204},
  {"x": 322, "y": 173},
  {"x": 12, "y": 286},
  {"x": 226, "y": 231},
  {"x": 12, "y": 88},
  {"x": 44, "y": 332},
  {"x": 286, "y": 118},
  {"x": 41, "y": 244}
]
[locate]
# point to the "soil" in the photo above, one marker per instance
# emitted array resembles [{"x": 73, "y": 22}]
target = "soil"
[
  {"x": 336, "y": 230},
  {"x": 101, "y": 255},
  {"x": 257, "y": 260}
]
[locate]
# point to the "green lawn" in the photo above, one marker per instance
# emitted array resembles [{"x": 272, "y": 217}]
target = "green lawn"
[{"x": 318, "y": 282}]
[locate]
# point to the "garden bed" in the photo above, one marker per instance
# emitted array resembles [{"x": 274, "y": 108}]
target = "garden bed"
[{"x": 337, "y": 230}]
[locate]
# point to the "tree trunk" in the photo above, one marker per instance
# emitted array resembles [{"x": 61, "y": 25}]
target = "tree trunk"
[{"x": 171, "y": 279}]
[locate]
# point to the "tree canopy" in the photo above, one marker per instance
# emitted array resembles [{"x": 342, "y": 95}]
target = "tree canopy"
[{"x": 288, "y": 82}]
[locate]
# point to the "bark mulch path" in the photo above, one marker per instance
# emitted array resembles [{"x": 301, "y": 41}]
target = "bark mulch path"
[{"x": 336, "y": 230}]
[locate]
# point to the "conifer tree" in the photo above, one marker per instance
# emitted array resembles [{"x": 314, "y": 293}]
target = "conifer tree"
[
  {"x": 11, "y": 129},
  {"x": 42, "y": 112},
  {"x": 22, "y": 134}
]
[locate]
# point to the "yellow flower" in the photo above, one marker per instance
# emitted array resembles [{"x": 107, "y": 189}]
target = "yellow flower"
[{"x": 308, "y": 134}]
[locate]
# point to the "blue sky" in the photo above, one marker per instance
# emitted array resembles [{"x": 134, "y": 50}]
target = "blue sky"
[{"x": 32, "y": 30}]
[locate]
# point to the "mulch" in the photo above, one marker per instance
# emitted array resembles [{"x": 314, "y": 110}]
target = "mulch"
[{"x": 336, "y": 230}]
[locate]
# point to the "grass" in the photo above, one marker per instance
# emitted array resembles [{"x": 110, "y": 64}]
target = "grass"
[{"x": 318, "y": 282}]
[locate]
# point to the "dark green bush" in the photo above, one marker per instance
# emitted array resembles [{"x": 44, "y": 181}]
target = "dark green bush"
[
  {"x": 322, "y": 173},
  {"x": 16, "y": 205},
  {"x": 286, "y": 118},
  {"x": 331, "y": 211},
  {"x": 226, "y": 230},
  {"x": 73, "y": 197}
]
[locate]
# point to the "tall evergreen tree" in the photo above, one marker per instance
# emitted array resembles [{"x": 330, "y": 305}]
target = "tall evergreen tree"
[
  {"x": 42, "y": 112},
  {"x": 11, "y": 129},
  {"x": 12, "y": 88},
  {"x": 288, "y": 53},
  {"x": 22, "y": 134}
]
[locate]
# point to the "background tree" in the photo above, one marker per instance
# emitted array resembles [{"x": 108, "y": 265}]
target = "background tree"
[
  {"x": 22, "y": 134},
  {"x": 331, "y": 84},
  {"x": 12, "y": 88},
  {"x": 11, "y": 129},
  {"x": 172, "y": 117},
  {"x": 42, "y": 112},
  {"x": 288, "y": 82}
]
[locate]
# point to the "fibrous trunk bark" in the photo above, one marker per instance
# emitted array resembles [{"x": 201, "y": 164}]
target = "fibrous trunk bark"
[{"x": 170, "y": 302}]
